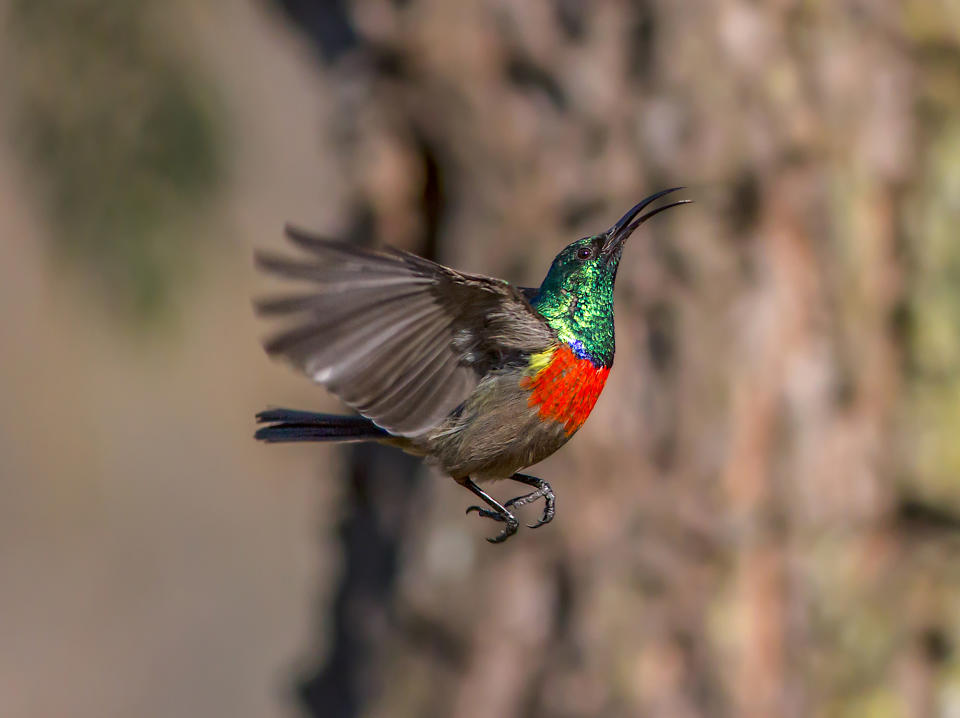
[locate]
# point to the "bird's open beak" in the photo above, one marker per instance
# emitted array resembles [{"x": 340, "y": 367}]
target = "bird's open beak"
[{"x": 618, "y": 233}]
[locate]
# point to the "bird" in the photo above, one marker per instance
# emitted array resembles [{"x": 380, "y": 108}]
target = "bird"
[{"x": 480, "y": 377}]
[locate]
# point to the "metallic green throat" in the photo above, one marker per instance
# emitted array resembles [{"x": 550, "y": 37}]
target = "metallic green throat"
[{"x": 576, "y": 298}]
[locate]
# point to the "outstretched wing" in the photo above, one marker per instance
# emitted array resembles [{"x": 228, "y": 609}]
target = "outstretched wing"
[{"x": 401, "y": 339}]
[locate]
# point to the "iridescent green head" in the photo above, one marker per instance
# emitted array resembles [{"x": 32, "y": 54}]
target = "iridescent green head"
[{"x": 576, "y": 296}]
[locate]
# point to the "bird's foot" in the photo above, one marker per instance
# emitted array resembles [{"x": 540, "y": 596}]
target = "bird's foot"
[
  {"x": 496, "y": 511},
  {"x": 544, "y": 490},
  {"x": 509, "y": 519}
]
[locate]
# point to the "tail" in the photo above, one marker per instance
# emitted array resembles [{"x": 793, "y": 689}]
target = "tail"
[{"x": 292, "y": 425}]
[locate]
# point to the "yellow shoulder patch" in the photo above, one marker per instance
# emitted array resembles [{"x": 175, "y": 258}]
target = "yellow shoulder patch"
[{"x": 541, "y": 360}]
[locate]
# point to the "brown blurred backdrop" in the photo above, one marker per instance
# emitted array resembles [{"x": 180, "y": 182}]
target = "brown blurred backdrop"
[{"x": 761, "y": 517}]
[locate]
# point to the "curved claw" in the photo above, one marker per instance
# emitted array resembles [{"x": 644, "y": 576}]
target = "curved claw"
[
  {"x": 486, "y": 513},
  {"x": 509, "y": 519},
  {"x": 509, "y": 530},
  {"x": 548, "y": 513}
]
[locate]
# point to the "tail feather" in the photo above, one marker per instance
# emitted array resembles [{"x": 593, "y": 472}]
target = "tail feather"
[{"x": 292, "y": 425}]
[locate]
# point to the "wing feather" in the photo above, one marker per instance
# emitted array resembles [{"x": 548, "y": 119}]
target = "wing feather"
[
  {"x": 369, "y": 379},
  {"x": 401, "y": 339}
]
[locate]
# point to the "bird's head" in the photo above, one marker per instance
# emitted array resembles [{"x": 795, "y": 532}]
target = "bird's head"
[
  {"x": 590, "y": 264},
  {"x": 576, "y": 297}
]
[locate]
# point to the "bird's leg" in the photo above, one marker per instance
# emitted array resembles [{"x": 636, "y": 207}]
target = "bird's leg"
[
  {"x": 498, "y": 513},
  {"x": 542, "y": 489}
]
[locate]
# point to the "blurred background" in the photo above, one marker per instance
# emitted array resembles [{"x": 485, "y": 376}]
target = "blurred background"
[{"x": 762, "y": 517}]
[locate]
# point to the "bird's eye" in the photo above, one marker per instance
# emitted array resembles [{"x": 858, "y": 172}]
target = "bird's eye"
[{"x": 585, "y": 253}]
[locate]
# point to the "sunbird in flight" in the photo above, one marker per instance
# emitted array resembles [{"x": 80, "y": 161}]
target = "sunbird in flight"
[{"x": 481, "y": 377}]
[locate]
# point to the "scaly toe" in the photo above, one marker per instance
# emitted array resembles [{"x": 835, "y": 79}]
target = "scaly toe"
[{"x": 525, "y": 499}]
